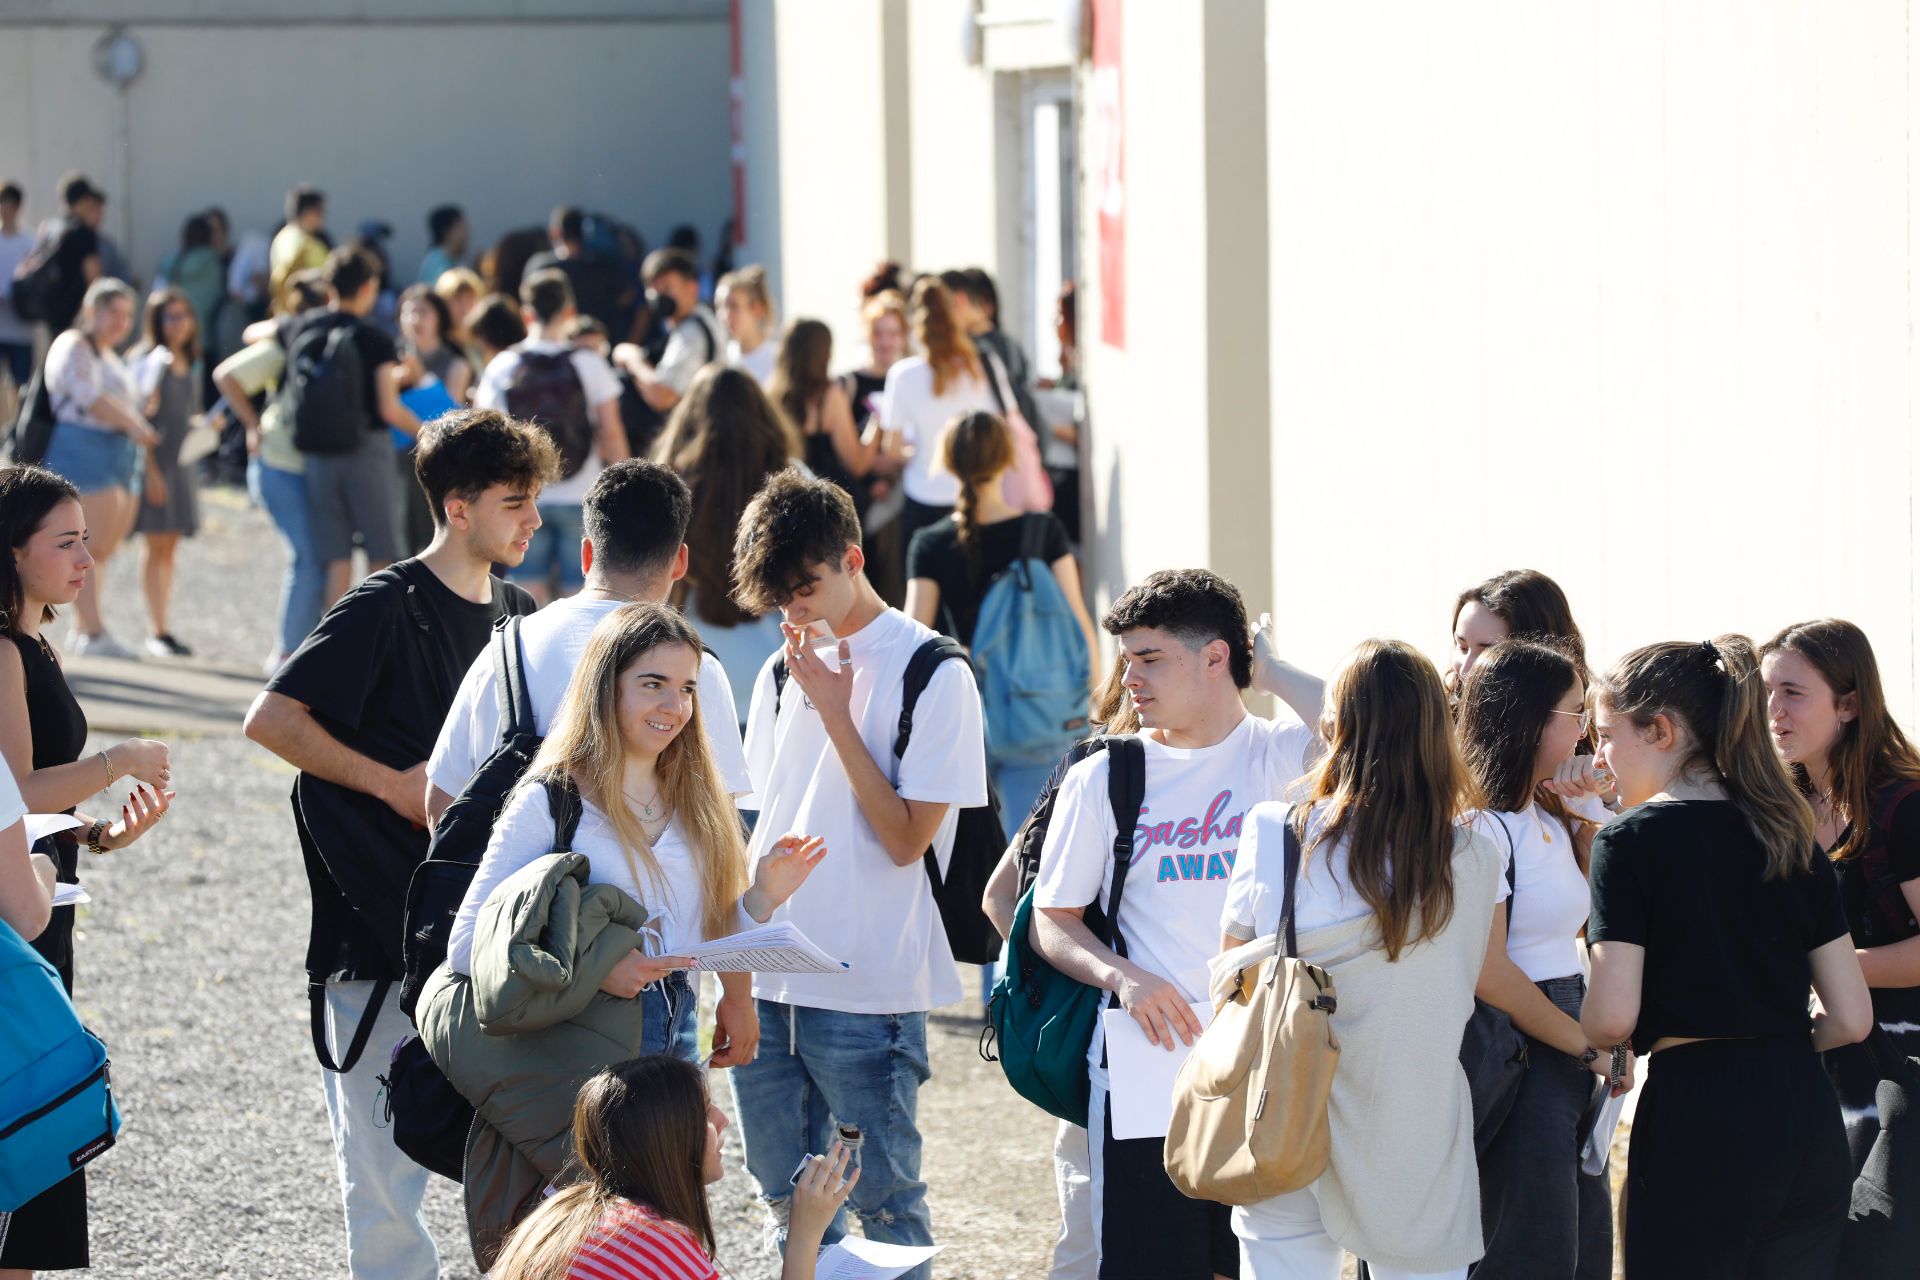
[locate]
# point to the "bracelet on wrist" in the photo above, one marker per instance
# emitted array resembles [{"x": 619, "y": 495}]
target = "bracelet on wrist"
[{"x": 107, "y": 760}]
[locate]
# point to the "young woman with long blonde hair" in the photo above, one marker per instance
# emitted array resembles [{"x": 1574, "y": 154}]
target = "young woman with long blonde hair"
[
  {"x": 647, "y": 1139},
  {"x": 924, "y": 393},
  {"x": 657, "y": 819}
]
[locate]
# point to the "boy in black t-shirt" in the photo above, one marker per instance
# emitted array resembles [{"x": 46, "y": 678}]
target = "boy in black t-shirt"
[{"x": 356, "y": 710}]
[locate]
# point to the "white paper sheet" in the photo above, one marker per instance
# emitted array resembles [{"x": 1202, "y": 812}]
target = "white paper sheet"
[
  {"x": 70, "y": 895},
  {"x": 779, "y": 947},
  {"x": 1140, "y": 1074},
  {"x": 1599, "y": 1144},
  {"x": 42, "y": 825},
  {"x": 856, "y": 1258}
]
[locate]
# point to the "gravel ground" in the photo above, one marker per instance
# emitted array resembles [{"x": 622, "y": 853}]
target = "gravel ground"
[{"x": 190, "y": 968}]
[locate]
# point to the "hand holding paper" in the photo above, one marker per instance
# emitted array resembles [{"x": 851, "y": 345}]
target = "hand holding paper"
[
  {"x": 855, "y": 1258},
  {"x": 779, "y": 947}
]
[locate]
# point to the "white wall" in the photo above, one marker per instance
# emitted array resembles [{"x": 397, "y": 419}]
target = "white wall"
[
  {"x": 507, "y": 118},
  {"x": 1622, "y": 292}
]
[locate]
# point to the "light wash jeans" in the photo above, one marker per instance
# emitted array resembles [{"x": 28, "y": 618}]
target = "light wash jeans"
[
  {"x": 822, "y": 1074},
  {"x": 387, "y": 1236},
  {"x": 1076, "y": 1254},
  {"x": 303, "y": 586}
]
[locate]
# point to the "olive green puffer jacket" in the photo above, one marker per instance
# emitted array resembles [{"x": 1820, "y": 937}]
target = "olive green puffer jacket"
[{"x": 521, "y": 1036}]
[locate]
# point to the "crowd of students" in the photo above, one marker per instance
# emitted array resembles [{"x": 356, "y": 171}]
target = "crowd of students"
[{"x": 736, "y": 703}]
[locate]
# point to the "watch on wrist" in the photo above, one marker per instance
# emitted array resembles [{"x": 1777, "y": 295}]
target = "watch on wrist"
[
  {"x": 1617, "y": 1069},
  {"x": 1587, "y": 1058},
  {"x": 94, "y": 832}
]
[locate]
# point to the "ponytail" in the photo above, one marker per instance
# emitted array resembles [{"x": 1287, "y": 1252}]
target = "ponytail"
[
  {"x": 977, "y": 449},
  {"x": 1714, "y": 687}
]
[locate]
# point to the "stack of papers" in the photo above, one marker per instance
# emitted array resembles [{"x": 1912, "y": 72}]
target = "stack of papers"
[
  {"x": 1140, "y": 1074},
  {"x": 778, "y": 947},
  {"x": 855, "y": 1258}
]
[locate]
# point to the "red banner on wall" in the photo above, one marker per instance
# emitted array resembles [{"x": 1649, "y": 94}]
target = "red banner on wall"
[{"x": 1110, "y": 171}]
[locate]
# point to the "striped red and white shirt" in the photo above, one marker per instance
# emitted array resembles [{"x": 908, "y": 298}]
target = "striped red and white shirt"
[{"x": 632, "y": 1242}]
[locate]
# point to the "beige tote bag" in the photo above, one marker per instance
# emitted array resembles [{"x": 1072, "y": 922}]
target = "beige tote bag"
[{"x": 1250, "y": 1104}]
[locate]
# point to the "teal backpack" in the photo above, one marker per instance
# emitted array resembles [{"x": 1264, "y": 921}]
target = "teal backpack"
[
  {"x": 56, "y": 1099},
  {"x": 1040, "y": 1019},
  {"x": 1032, "y": 658}
]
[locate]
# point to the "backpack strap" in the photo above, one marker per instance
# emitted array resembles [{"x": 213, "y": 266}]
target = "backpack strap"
[
  {"x": 1512, "y": 857},
  {"x": 1126, "y": 793},
  {"x": 779, "y": 682},
  {"x": 920, "y": 668},
  {"x": 317, "y": 1005},
  {"x": 563, "y": 802},
  {"x": 509, "y": 666}
]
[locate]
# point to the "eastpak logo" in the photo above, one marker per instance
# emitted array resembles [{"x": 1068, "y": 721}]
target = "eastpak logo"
[{"x": 91, "y": 1150}]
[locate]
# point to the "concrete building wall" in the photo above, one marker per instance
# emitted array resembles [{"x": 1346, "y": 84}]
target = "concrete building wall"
[
  {"x": 506, "y": 109},
  {"x": 1618, "y": 292}
]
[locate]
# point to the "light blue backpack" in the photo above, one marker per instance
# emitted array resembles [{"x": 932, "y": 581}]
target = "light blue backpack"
[
  {"x": 56, "y": 1099},
  {"x": 1032, "y": 659}
]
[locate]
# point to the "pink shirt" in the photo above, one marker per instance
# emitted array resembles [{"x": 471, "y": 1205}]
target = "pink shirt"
[{"x": 634, "y": 1243}]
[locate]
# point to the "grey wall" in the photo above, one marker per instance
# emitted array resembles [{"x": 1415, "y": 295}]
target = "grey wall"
[{"x": 506, "y": 108}]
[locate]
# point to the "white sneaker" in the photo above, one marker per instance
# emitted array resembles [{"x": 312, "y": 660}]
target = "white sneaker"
[{"x": 101, "y": 646}]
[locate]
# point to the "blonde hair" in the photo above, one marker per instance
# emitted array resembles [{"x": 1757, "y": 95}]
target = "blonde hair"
[
  {"x": 752, "y": 281},
  {"x": 950, "y": 352},
  {"x": 1394, "y": 785},
  {"x": 455, "y": 281},
  {"x": 586, "y": 746}
]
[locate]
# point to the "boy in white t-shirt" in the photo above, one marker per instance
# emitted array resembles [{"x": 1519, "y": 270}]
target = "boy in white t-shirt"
[
  {"x": 1184, "y": 638},
  {"x": 846, "y": 1053}
]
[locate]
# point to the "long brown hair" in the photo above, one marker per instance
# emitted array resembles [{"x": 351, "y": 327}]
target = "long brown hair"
[
  {"x": 1506, "y": 704},
  {"x": 1714, "y": 688},
  {"x": 1531, "y": 604},
  {"x": 153, "y": 325},
  {"x": 800, "y": 370},
  {"x": 950, "y": 352},
  {"x": 586, "y": 745},
  {"x": 724, "y": 438},
  {"x": 1394, "y": 786},
  {"x": 976, "y": 448},
  {"x": 639, "y": 1134},
  {"x": 1872, "y": 750}
]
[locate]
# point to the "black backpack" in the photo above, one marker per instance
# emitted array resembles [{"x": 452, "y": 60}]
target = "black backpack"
[
  {"x": 439, "y": 884},
  {"x": 37, "y": 281},
  {"x": 430, "y": 1118},
  {"x": 32, "y": 431},
  {"x": 544, "y": 388},
  {"x": 324, "y": 392},
  {"x": 979, "y": 839}
]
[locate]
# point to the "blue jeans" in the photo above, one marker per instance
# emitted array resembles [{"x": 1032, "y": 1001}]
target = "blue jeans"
[
  {"x": 822, "y": 1074},
  {"x": 669, "y": 1018},
  {"x": 303, "y": 587},
  {"x": 554, "y": 550}
]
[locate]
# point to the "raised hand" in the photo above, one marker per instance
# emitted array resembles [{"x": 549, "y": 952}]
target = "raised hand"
[{"x": 781, "y": 872}]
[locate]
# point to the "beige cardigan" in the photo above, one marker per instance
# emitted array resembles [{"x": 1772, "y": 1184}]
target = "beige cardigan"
[{"x": 1402, "y": 1188}]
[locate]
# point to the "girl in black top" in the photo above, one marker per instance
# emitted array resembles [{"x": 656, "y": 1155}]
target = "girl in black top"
[
  {"x": 1830, "y": 724},
  {"x": 43, "y": 734},
  {"x": 833, "y": 447},
  {"x": 1712, "y": 914}
]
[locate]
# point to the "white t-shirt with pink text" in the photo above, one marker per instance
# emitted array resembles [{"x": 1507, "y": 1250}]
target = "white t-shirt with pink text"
[{"x": 1184, "y": 845}]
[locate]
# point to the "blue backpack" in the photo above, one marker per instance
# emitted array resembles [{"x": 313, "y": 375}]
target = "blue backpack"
[
  {"x": 56, "y": 1098},
  {"x": 1032, "y": 659}
]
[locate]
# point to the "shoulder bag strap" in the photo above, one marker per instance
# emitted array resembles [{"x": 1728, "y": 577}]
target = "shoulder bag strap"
[
  {"x": 515, "y": 701},
  {"x": 1126, "y": 792},
  {"x": 317, "y": 1002},
  {"x": 1286, "y": 941},
  {"x": 1512, "y": 857}
]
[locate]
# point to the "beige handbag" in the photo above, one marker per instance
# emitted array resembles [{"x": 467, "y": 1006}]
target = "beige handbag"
[{"x": 1250, "y": 1104}]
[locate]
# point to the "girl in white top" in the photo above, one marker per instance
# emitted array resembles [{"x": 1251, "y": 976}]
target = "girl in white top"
[
  {"x": 26, "y": 879},
  {"x": 1521, "y": 712},
  {"x": 923, "y": 394},
  {"x": 657, "y": 820},
  {"x": 1395, "y": 897},
  {"x": 98, "y": 439},
  {"x": 746, "y": 308}
]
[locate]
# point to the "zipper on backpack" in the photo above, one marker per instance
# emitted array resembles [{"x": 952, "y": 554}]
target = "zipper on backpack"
[{"x": 100, "y": 1073}]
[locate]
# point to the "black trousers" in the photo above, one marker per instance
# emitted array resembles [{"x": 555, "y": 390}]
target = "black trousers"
[{"x": 1738, "y": 1166}]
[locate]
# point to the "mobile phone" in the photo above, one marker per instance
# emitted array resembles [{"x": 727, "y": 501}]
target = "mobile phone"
[{"x": 794, "y": 1181}]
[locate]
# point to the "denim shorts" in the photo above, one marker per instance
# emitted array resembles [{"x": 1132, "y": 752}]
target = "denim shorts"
[
  {"x": 93, "y": 458},
  {"x": 554, "y": 550}
]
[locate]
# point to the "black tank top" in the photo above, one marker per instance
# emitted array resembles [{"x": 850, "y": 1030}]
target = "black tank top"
[{"x": 59, "y": 736}]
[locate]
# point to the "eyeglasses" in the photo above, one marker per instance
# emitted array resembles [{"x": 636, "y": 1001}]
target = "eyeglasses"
[{"x": 1586, "y": 719}]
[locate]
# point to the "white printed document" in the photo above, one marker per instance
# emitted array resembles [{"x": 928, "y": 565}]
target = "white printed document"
[
  {"x": 70, "y": 895},
  {"x": 1140, "y": 1074},
  {"x": 778, "y": 947},
  {"x": 856, "y": 1258}
]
